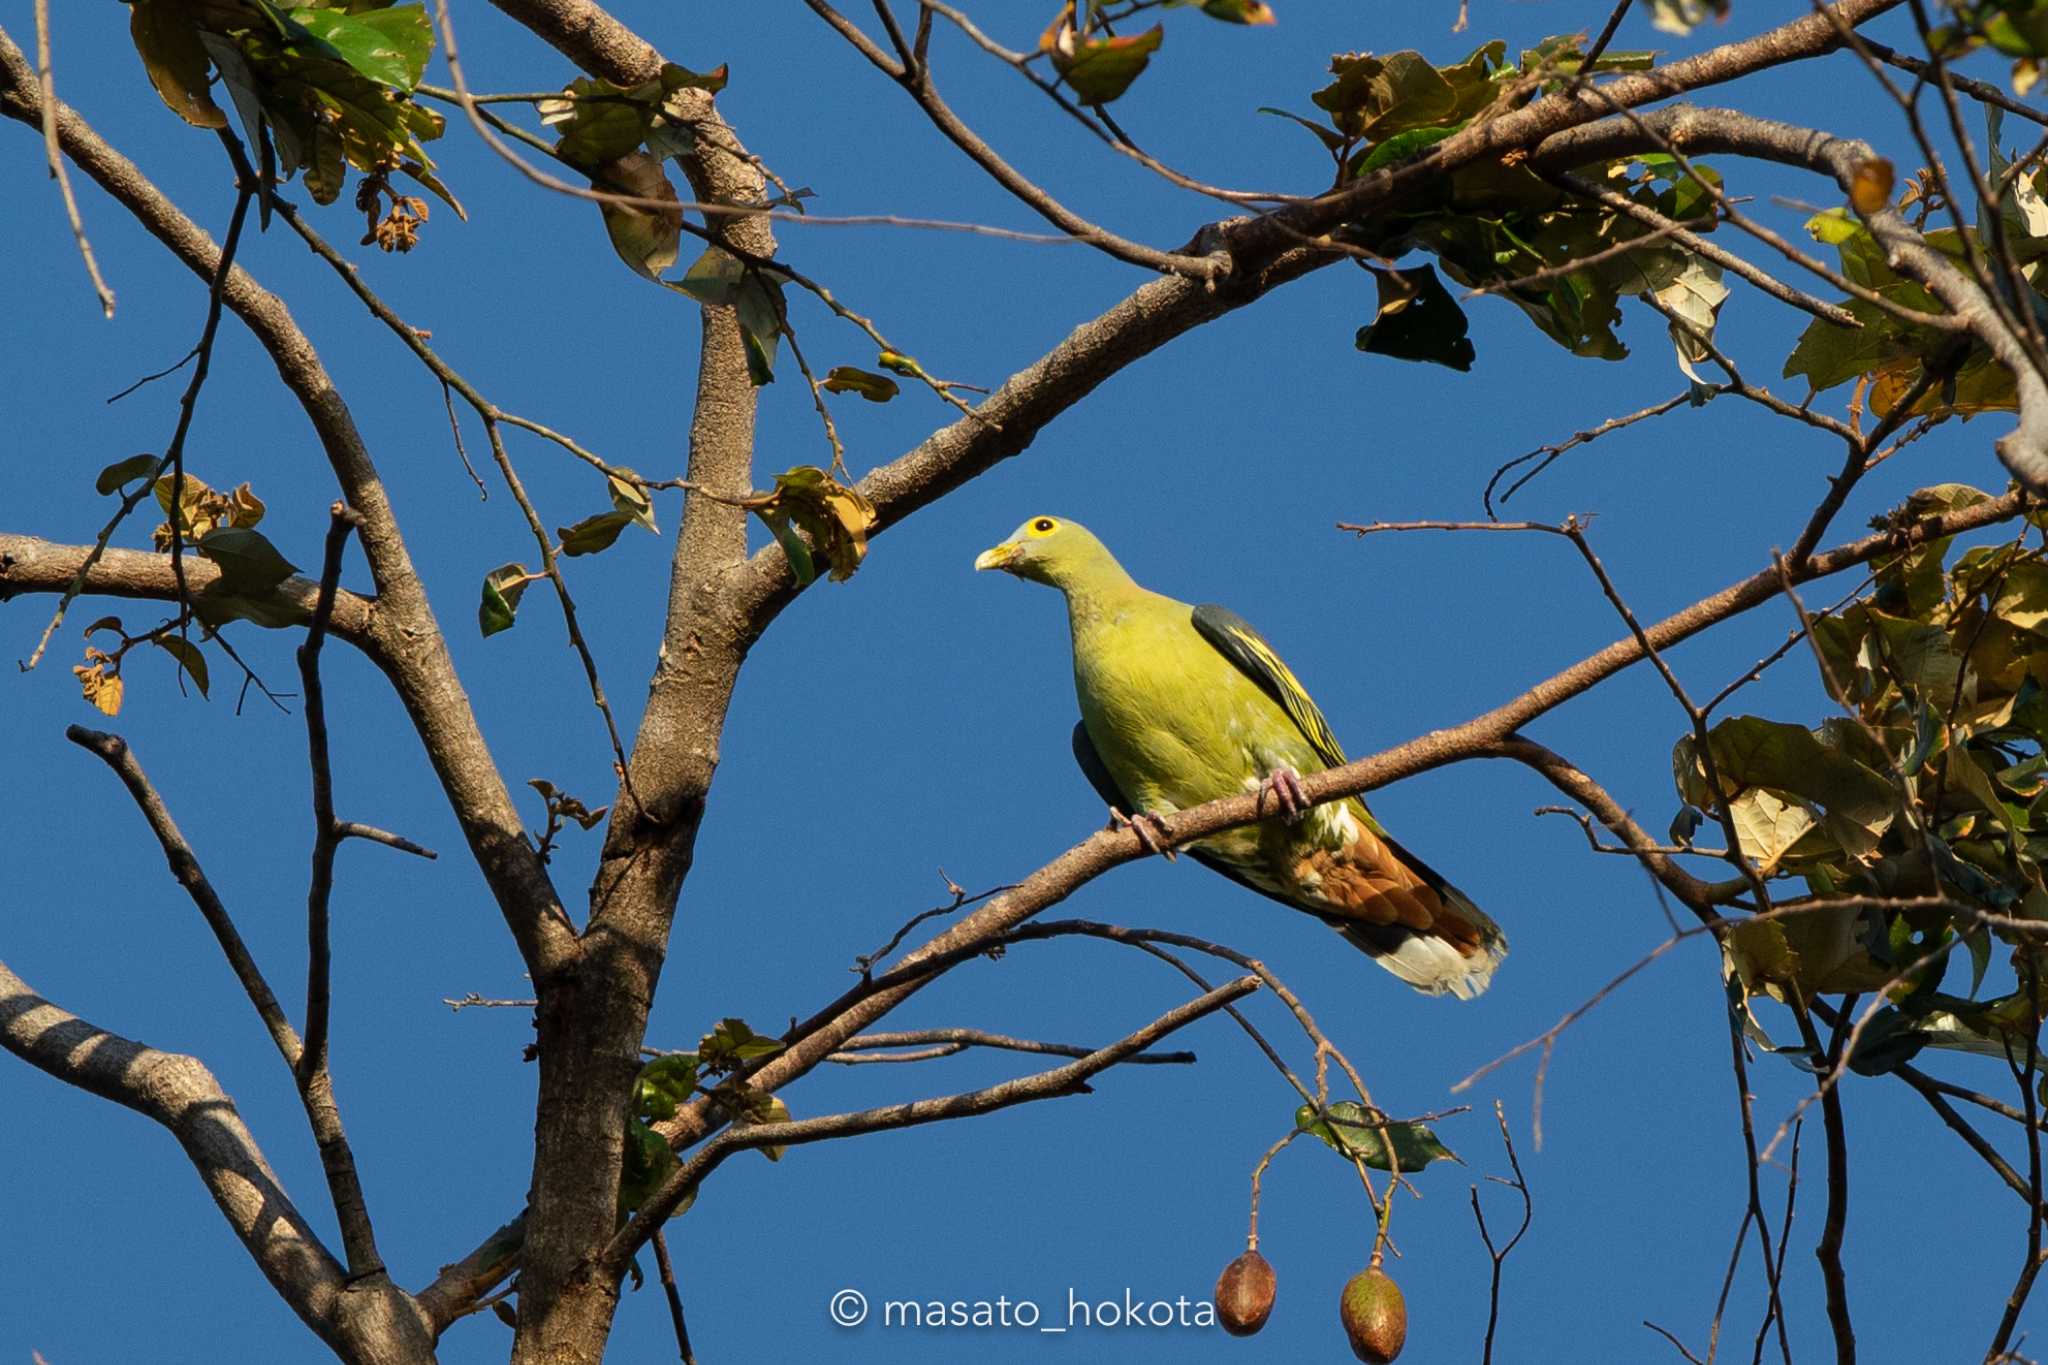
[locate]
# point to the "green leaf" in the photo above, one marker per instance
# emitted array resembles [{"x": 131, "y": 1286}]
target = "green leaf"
[
  {"x": 674, "y": 78},
  {"x": 1239, "y": 11},
  {"x": 1331, "y": 139},
  {"x": 875, "y": 388},
  {"x": 1417, "y": 320},
  {"x": 1399, "y": 147},
  {"x": 775, "y": 1111},
  {"x": 648, "y": 1162},
  {"x": 664, "y": 1085},
  {"x": 798, "y": 553},
  {"x": 503, "y": 587},
  {"x": 218, "y": 603},
  {"x": 1099, "y": 70},
  {"x": 175, "y": 59},
  {"x": 188, "y": 656},
  {"x": 732, "y": 1045},
  {"x": 598, "y": 122},
  {"x": 1694, "y": 298},
  {"x": 760, "y": 306},
  {"x": 631, "y": 500},
  {"x": 124, "y": 471},
  {"x": 713, "y": 278},
  {"x": 593, "y": 533},
  {"x": 1750, "y": 751},
  {"x": 1374, "y": 97},
  {"x": 388, "y": 46},
  {"x": 645, "y": 239},
  {"x": 248, "y": 562},
  {"x": 1415, "y": 1145}
]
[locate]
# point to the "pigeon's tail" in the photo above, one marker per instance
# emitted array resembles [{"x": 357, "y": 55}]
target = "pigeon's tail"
[
  {"x": 1432, "y": 960},
  {"x": 1408, "y": 918}
]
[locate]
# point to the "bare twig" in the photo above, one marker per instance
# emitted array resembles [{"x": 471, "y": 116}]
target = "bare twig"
[
  {"x": 316, "y": 1093},
  {"x": 675, "y": 1297},
  {"x": 46, "y": 73},
  {"x": 929, "y": 1043},
  {"x": 1070, "y": 1079},
  {"x": 1500, "y": 1254},
  {"x": 1828, "y": 1251}
]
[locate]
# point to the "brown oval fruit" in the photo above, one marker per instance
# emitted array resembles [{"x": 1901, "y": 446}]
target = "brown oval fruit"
[
  {"x": 1244, "y": 1294},
  {"x": 1375, "y": 1318}
]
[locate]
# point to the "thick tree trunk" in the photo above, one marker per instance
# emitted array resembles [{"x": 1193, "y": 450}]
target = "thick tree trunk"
[{"x": 593, "y": 1015}]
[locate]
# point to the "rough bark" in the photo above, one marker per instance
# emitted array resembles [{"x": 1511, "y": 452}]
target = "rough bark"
[{"x": 370, "y": 1323}]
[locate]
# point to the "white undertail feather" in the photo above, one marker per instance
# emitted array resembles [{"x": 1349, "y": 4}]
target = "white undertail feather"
[{"x": 1433, "y": 966}]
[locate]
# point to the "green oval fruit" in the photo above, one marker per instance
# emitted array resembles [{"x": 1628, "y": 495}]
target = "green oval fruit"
[
  {"x": 1244, "y": 1294},
  {"x": 1375, "y": 1317}
]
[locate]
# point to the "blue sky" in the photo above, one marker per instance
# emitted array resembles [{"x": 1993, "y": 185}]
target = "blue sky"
[{"x": 916, "y": 718}]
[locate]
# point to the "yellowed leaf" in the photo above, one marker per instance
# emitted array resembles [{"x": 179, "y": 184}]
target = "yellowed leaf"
[{"x": 100, "y": 688}]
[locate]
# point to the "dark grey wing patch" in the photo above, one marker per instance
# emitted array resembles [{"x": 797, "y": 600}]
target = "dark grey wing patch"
[
  {"x": 1234, "y": 638},
  {"x": 1097, "y": 775}
]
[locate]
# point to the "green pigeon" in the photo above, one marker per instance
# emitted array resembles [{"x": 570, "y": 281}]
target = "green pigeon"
[{"x": 1183, "y": 705}]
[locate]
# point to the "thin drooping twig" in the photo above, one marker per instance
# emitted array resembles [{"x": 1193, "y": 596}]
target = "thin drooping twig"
[
  {"x": 2023, "y": 1077},
  {"x": 1828, "y": 1250},
  {"x": 1924, "y": 1086},
  {"x": 1547, "y": 455},
  {"x": 1753, "y": 1212},
  {"x": 113, "y": 750},
  {"x": 1520, "y": 1185},
  {"x": 316, "y": 1093},
  {"x": 929, "y": 1043},
  {"x": 1977, "y": 90},
  {"x": 492, "y": 415},
  {"x": 326, "y": 829},
  {"x": 315, "y": 1080},
  {"x": 1070, "y": 1079},
  {"x": 1777, "y": 1269},
  {"x": 944, "y": 389},
  {"x": 1547, "y": 1040},
  {"x": 1702, "y": 247},
  {"x": 1258, "y": 1176},
  {"x": 173, "y": 457},
  {"x": 466, "y": 100},
  {"x": 1107, "y": 131},
  {"x": 675, "y": 1298},
  {"x": 916, "y": 79},
  {"x": 1908, "y": 1072},
  {"x": 1665, "y": 1332},
  {"x": 46, "y": 73}
]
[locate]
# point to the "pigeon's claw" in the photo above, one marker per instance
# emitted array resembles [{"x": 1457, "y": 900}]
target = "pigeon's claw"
[
  {"x": 1283, "y": 785},
  {"x": 1150, "y": 829}
]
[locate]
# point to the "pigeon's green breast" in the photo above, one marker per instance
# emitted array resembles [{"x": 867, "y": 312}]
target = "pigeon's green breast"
[{"x": 1175, "y": 723}]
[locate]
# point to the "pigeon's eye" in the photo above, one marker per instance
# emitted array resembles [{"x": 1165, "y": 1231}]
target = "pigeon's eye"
[{"x": 1044, "y": 526}]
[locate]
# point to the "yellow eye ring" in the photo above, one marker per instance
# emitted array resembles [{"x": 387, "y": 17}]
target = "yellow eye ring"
[{"x": 1044, "y": 526}]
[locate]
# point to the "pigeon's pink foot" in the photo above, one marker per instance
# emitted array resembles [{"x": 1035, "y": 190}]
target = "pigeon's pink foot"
[
  {"x": 1283, "y": 785},
  {"x": 1150, "y": 829}
]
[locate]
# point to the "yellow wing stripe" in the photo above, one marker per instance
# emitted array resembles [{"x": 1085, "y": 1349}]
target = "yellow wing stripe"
[{"x": 1294, "y": 698}]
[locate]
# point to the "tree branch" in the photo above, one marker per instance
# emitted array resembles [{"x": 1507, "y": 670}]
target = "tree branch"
[
  {"x": 2023, "y": 450},
  {"x": 860, "y": 1008},
  {"x": 410, "y": 648},
  {"x": 364, "y": 1321},
  {"x": 315, "y": 1086},
  {"x": 1059, "y": 1081},
  {"x": 32, "y": 565},
  {"x": 929, "y": 1043}
]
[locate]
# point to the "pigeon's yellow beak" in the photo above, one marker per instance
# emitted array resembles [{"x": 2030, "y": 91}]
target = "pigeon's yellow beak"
[{"x": 997, "y": 556}]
